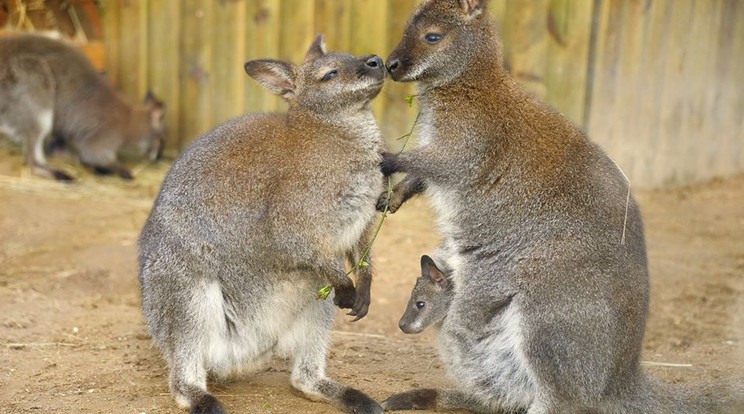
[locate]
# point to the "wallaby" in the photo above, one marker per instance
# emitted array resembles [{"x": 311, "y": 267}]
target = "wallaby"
[
  {"x": 48, "y": 87},
  {"x": 544, "y": 242},
  {"x": 430, "y": 299},
  {"x": 254, "y": 218}
]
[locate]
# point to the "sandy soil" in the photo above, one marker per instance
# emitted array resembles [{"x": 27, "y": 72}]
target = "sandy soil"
[{"x": 72, "y": 337}]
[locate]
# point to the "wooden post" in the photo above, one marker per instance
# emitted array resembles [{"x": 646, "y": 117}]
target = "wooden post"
[
  {"x": 196, "y": 70},
  {"x": 228, "y": 75},
  {"x": 163, "y": 63},
  {"x": 569, "y": 26},
  {"x": 262, "y": 30}
]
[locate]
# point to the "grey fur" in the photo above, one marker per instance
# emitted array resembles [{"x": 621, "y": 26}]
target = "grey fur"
[
  {"x": 50, "y": 88},
  {"x": 254, "y": 218},
  {"x": 550, "y": 282}
]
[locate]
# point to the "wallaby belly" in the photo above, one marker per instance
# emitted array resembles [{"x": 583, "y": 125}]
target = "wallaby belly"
[
  {"x": 240, "y": 335},
  {"x": 490, "y": 364}
]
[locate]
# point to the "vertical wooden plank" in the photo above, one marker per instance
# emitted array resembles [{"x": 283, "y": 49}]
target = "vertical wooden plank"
[
  {"x": 164, "y": 18},
  {"x": 669, "y": 155},
  {"x": 196, "y": 70},
  {"x": 701, "y": 56},
  {"x": 569, "y": 27},
  {"x": 525, "y": 43},
  {"x": 398, "y": 117},
  {"x": 649, "y": 91},
  {"x": 628, "y": 143},
  {"x": 369, "y": 35},
  {"x": 333, "y": 19},
  {"x": 111, "y": 14},
  {"x": 600, "y": 114},
  {"x": 298, "y": 29},
  {"x": 228, "y": 76},
  {"x": 735, "y": 126},
  {"x": 133, "y": 52},
  {"x": 262, "y": 25}
]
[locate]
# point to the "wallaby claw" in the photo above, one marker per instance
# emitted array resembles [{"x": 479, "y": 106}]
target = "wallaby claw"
[
  {"x": 383, "y": 202},
  {"x": 359, "y": 311},
  {"x": 390, "y": 200}
]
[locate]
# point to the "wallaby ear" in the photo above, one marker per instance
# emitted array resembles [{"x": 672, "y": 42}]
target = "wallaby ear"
[
  {"x": 429, "y": 269},
  {"x": 274, "y": 75},
  {"x": 473, "y": 7},
  {"x": 150, "y": 98},
  {"x": 317, "y": 49},
  {"x": 155, "y": 106}
]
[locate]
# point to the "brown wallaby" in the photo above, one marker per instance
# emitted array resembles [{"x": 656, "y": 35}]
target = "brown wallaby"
[
  {"x": 254, "y": 218},
  {"x": 48, "y": 87},
  {"x": 545, "y": 245}
]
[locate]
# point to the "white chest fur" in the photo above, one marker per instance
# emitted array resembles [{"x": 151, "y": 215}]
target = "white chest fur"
[{"x": 494, "y": 368}]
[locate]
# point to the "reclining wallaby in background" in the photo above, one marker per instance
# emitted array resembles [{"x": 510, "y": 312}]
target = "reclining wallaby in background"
[
  {"x": 254, "y": 218},
  {"x": 50, "y": 88},
  {"x": 545, "y": 246}
]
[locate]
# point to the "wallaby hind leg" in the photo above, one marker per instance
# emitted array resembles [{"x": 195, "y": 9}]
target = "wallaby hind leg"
[
  {"x": 308, "y": 340},
  {"x": 188, "y": 383},
  {"x": 33, "y": 113},
  {"x": 36, "y": 135}
]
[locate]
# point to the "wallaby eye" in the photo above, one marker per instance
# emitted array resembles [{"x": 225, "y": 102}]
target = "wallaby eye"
[
  {"x": 330, "y": 75},
  {"x": 432, "y": 38},
  {"x": 420, "y": 305}
]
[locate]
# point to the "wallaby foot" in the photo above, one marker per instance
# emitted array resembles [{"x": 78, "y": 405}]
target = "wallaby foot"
[
  {"x": 348, "y": 400},
  {"x": 419, "y": 399},
  {"x": 207, "y": 405},
  {"x": 61, "y": 176},
  {"x": 309, "y": 339},
  {"x": 436, "y": 400},
  {"x": 116, "y": 169},
  {"x": 44, "y": 171}
]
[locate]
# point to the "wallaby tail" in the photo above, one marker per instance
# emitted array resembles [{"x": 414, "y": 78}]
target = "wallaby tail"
[{"x": 654, "y": 397}]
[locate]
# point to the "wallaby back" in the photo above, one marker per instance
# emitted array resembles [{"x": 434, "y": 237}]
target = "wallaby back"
[
  {"x": 544, "y": 241},
  {"x": 254, "y": 218},
  {"x": 48, "y": 87}
]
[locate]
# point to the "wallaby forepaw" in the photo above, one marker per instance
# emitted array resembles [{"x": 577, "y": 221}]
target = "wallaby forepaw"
[
  {"x": 388, "y": 201},
  {"x": 420, "y": 399},
  {"x": 344, "y": 297},
  {"x": 361, "y": 304},
  {"x": 357, "y": 402}
]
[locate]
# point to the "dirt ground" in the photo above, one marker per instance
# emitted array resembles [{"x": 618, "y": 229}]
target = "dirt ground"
[{"x": 72, "y": 337}]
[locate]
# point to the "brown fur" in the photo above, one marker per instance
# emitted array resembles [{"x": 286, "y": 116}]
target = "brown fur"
[{"x": 550, "y": 280}]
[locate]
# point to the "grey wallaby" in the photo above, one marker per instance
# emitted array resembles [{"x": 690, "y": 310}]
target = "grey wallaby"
[
  {"x": 544, "y": 242},
  {"x": 430, "y": 299},
  {"x": 49, "y": 88},
  {"x": 254, "y": 218}
]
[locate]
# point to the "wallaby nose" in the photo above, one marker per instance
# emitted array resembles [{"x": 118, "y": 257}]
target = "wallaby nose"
[
  {"x": 402, "y": 325},
  {"x": 393, "y": 64},
  {"x": 374, "y": 62}
]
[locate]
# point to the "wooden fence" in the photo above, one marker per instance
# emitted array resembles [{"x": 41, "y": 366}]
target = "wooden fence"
[{"x": 658, "y": 83}]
